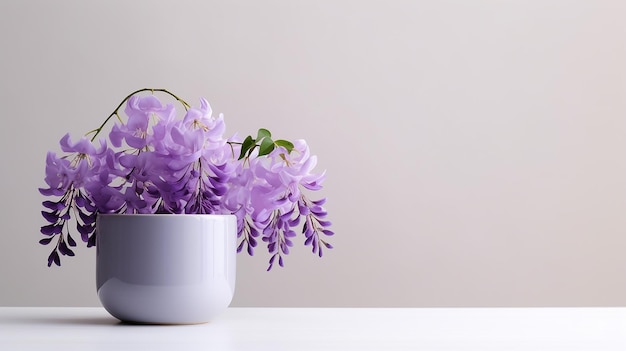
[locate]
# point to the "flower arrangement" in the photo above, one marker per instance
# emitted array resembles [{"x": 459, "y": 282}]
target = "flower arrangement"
[{"x": 153, "y": 161}]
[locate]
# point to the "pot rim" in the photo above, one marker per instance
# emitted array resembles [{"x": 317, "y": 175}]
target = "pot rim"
[{"x": 163, "y": 215}]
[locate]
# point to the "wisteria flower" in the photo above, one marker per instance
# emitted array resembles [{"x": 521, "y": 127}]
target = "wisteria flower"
[{"x": 155, "y": 162}]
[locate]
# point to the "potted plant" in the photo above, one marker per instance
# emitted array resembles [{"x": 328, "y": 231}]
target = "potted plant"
[{"x": 158, "y": 166}]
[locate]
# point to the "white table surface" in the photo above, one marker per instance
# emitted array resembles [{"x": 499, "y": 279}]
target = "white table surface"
[{"x": 34, "y": 328}]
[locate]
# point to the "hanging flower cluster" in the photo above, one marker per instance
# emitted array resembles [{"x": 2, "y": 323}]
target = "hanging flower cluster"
[{"x": 153, "y": 161}]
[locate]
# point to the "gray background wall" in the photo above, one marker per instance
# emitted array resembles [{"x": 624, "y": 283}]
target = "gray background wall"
[{"x": 475, "y": 149}]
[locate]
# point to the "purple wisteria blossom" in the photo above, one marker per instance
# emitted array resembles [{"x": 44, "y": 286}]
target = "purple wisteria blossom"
[
  {"x": 68, "y": 178},
  {"x": 155, "y": 162}
]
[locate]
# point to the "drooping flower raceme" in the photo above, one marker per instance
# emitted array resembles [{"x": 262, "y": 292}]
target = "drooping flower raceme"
[
  {"x": 68, "y": 178},
  {"x": 155, "y": 162},
  {"x": 271, "y": 186}
]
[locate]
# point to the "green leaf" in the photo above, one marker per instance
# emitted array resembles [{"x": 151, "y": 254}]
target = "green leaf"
[
  {"x": 247, "y": 144},
  {"x": 263, "y": 133},
  {"x": 267, "y": 145},
  {"x": 286, "y": 144}
]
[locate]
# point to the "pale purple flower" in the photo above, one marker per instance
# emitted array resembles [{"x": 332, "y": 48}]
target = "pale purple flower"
[
  {"x": 154, "y": 162},
  {"x": 135, "y": 132},
  {"x": 59, "y": 175},
  {"x": 68, "y": 177},
  {"x": 200, "y": 121}
]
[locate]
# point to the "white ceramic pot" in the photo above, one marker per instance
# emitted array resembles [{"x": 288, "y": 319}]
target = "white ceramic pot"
[{"x": 165, "y": 268}]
